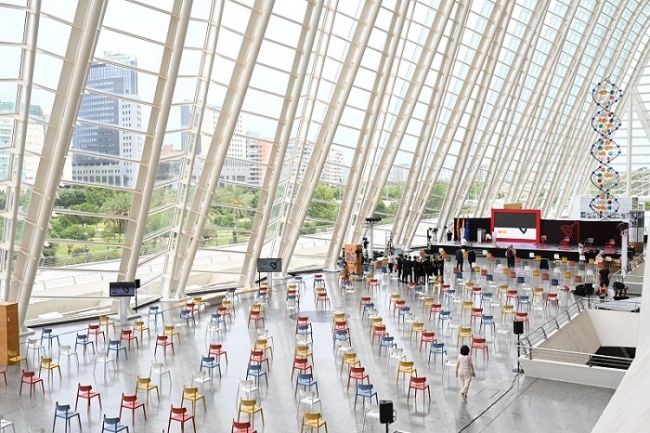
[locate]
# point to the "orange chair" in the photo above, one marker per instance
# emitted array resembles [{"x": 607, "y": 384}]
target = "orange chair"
[
  {"x": 86, "y": 391},
  {"x": 480, "y": 343},
  {"x": 179, "y": 414},
  {"x": 163, "y": 341},
  {"x": 131, "y": 402},
  {"x": 216, "y": 350},
  {"x": 241, "y": 427},
  {"x": 127, "y": 334},
  {"x": 30, "y": 378},
  {"x": 358, "y": 374},
  {"x": 512, "y": 294},
  {"x": 476, "y": 312},
  {"x": 418, "y": 384}
]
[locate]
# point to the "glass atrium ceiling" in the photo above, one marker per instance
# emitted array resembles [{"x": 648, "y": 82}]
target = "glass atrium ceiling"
[{"x": 177, "y": 141}]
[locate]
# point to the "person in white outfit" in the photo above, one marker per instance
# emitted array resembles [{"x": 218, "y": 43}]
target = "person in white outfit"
[{"x": 464, "y": 370}]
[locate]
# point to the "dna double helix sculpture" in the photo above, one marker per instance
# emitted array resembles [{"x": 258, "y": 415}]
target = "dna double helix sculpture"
[{"x": 605, "y": 122}]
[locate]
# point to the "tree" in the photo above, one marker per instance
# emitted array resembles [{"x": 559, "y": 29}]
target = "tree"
[
  {"x": 323, "y": 205},
  {"x": 239, "y": 198},
  {"x": 118, "y": 208}
]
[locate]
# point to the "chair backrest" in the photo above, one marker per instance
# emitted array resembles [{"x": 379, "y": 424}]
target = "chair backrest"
[
  {"x": 357, "y": 370},
  {"x": 84, "y": 388},
  {"x": 207, "y": 360},
  {"x": 405, "y": 364},
  {"x": 126, "y": 332},
  {"x": 145, "y": 381},
  {"x": 128, "y": 398},
  {"x": 313, "y": 416},
  {"x": 363, "y": 388},
  {"x": 254, "y": 368},
  {"x": 305, "y": 377},
  {"x": 190, "y": 391},
  {"x": 59, "y": 408},
  {"x": 138, "y": 324},
  {"x": 177, "y": 410},
  {"x": 246, "y": 383},
  {"x": 82, "y": 338},
  {"x": 415, "y": 379},
  {"x": 238, "y": 426},
  {"x": 27, "y": 374},
  {"x": 161, "y": 339},
  {"x": 114, "y": 421}
]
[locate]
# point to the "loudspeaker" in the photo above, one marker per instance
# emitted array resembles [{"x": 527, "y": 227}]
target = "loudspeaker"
[
  {"x": 517, "y": 327},
  {"x": 385, "y": 411},
  {"x": 589, "y": 289}
]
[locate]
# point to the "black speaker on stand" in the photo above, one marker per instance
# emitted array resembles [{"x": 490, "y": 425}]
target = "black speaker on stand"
[
  {"x": 518, "y": 329},
  {"x": 386, "y": 413}
]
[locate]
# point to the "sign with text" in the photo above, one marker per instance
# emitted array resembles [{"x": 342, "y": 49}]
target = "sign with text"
[
  {"x": 269, "y": 265},
  {"x": 122, "y": 288}
]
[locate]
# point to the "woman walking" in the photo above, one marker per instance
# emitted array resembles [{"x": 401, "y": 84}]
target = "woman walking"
[{"x": 464, "y": 370}]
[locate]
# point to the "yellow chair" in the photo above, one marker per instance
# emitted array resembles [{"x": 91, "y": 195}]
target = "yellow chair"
[
  {"x": 230, "y": 306},
  {"x": 170, "y": 331},
  {"x": 350, "y": 358},
  {"x": 393, "y": 297},
  {"x": 15, "y": 358},
  {"x": 304, "y": 351},
  {"x": 144, "y": 384},
  {"x": 538, "y": 292},
  {"x": 248, "y": 406},
  {"x": 466, "y": 306},
  {"x": 192, "y": 394},
  {"x": 337, "y": 316},
  {"x": 426, "y": 303},
  {"x": 507, "y": 309},
  {"x": 106, "y": 322},
  {"x": 464, "y": 332},
  {"x": 502, "y": 291},
  {"x": 536, "y": 273},
  {"x": 313, "y": 421},
  {"x": 140, "y": 327},
  {"x": 406, "y": 367},
  {"x": 47, "y": 364},
  {"x": 416, "y": 328},
  {"x": 263, "y": 345}
]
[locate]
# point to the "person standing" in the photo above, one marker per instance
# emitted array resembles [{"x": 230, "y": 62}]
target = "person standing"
[
  {"x": 471, "y": 259},
  {"x": 464, "y": 370},
  {"x": 459, "y": 259},
  {"x": 391, "y": 261},
  {"x": 511, "y": 254},
  {"x": 604, "y": 277}
]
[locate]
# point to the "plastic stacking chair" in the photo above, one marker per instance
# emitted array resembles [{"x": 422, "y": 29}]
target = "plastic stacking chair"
[
  {"x": 215, "y": 328},
  {"x": 256, "y": 316},
  {"x": 418, "y": 384},
  {"x": 68, "y": 352},
  {"x": 113, "y": 425},
  {"x": 170, "y": 331},
  {"x": 4, "y": 424},
  {"x": 154, "y": 311},
  {"x": 210, "y": 364},
  {"x": 30, "y": 378},
  {"x": 179, "y": 414},
  {"x": 464, "y": 332},
  {"x": 16, "y": 358},
  {"x": 144, "y": 384},
  {"x": 216, "y": 350},
  {"x": 387, "y": 341},
  {"x": 47, "y": 364},
  {"x": 250, "y": 407},
  {"x": 366, "y": 392},
  {"x": 358, "y": 374},
  {"x": 349, "y": 358},
  {"x": 313, "y": 421},
  {"x": 47, "y": 334},
  {"x": 300, "y": 364},
  {"x": 255, "y": 370},
  {"x": 159, "y": 369},
  {"x": 103, "y": 358},
  {"x": 306, "y": 381},
  {"x": 96, "y": 331},
  {"x": 404, "y": 368},
  {"x": 188, "y": 317},
  {"x": 140, "y": 326},
  {"x": 116, "y": 346},
  {"x": 308, "y": 398},
  {"x": 247, "y": 387},
  {"x": 437, "y": 349},
  {"x": 264, "y": 345},
  {"x": 127, "y": 334},
  {"x": 86, "y": 391},
  {"x": 38, "y": 350},
  {"x": 63, "y": 411},
  {"x": 163, "y": 341},
  {"x": 241, "y": 427},
  {"x": 427, "y": 337},
  {"x": 131, "y": 402},
  {"x": 480, "y": 343},
  {"x": 342, "y": 338},
  {"x": 83, "y": 341},
  {"x": 192, "y": 394}
]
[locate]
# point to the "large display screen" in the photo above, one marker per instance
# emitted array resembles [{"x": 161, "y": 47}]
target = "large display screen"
[
  {"x": 517, "y": 225},
  {"x": 122, "y": 288}
]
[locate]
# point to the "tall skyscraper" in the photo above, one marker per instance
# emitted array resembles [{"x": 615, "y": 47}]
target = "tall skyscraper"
[
  {"x": 97, "y": 145},
  {"x": 33, "y": 142}
]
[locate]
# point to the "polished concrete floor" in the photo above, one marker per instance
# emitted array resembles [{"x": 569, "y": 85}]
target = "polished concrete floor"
[{"x": 499, "y": 400}]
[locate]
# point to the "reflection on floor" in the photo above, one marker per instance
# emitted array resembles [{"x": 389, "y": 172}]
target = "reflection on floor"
[{"x": 498, "y": 401}]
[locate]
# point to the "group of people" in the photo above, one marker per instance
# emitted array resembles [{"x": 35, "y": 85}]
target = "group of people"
[
  {"x": 460, "y": 259},
  {"x": 420, "y": 270}
]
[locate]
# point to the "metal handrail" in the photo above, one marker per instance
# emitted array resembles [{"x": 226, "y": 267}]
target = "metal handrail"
[
  {"x": 593, "y": 359},
  {"x": 554, "y": 324}
]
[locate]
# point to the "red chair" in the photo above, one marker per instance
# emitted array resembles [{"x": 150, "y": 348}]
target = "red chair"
[
  {"x": 364, "y": 300},
  {"x": 427, "y": 337},
  {"x": 480, "y": 343},
  {"x": 322, "y": 298},
  {"x": 397, "y": 305},
  {"x": 418, "y": 384},
  {"x": 552, "y": 298},
  {"x": 565, "y": 244},
  {"x": 131, "y": 402},
  {"x": 301, "y": 365},
  {"x": 258, "y": 357},
  {"x": 180, "y": 414},
  {"x": 476, "y": 312},
  {"x": 216, "y": 350},
  {"x": 193, "y": 308},
  {"x": 358, "y": 374},
  {"x": 257, "y": 317},
  {"x": 86, "y": 391},
  {"x": 522, "y": 316},
  {"x": 30, "y": 378},
  {"x": 512, "y": 294},
  {"x": 128, "y": 335},
  {"x": 241, "y": 427},
  {"x": 163, "y": 341},
  {"x": 379, "y": 331},
  {"x": 223, "y": 312},
  {"x": 435, "y": 308},
  {"x": 96, "y": 330},
  {"x": 340, "y": 325},
  {"x": 610, "y": 248},
  {"x": 543, "y": 241}
]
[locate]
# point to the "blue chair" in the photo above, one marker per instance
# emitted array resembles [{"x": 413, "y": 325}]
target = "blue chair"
[
  {"x": 450, "y": 295},
  {"x": 489, "y": 278},
  {"x": 210, "y": 363},
  {"x": 486, "y": 297},
  {"x": 555, "y": 282},
  {"x": 367, "y": 307},
  {"x": 523, "y": 300},
  {"x": 188, "y": 316},
  {"x": 255, "y": 370},
  {"x": 218, "y": 318},
  {"x": 63, "y": 411},
  {"x": 306, "y": 381},
  {"x": 444, "y": 316},
  {"x": 386, "y": 341},
  {"x": 520, "y": 280},
  {"x": 437, "y": 349},
  {"x": 82, "y": 340},
  {"x": 365, "y": 391},
  {"x": 154, "y": 310},
  {"x": 342, "y": 336},
  {"x": 116, "y": 346},
  {"x": 113, "y": 425},
  {"x": 417, "y": 291},
  {"x": 47, "y": 334},
  {"x": 488, "y": 320},
  {"x": 305, "y": 331},
  {"x": 232, "y": 294},
  {"x": 403, "y": 312}
]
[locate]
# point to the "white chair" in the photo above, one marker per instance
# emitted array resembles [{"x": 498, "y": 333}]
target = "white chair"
[
  {"x": 103, "y": 358},
  {"x": 372, "y": 411},
  {"x": 264, "y": 333},
  {"x": 5, "y": 423},
  {"x": 38, "y": 350},
  {"x": 397, "y": 354},
  {"x": 214, "y": 328},
  {"x": 291, "y": 306},
  {"x": 159, "y": 369},
  {"x": 68, "y": 352},
  {"x": 247, "y": 386},
  {"x": 308, "y": 397},
  {"x": 201, "y": 377}
]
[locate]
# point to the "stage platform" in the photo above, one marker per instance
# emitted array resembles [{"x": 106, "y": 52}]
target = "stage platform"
[{"x": 524, "y": 250}]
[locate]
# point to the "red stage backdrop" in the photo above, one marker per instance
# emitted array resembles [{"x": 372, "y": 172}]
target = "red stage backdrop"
[{"x": 516, "y": 225}]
